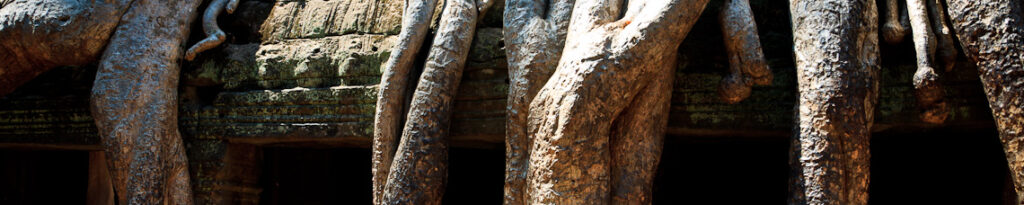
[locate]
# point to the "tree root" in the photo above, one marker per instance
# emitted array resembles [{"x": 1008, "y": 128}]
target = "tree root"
[
  {"x": 215, "y": 36},
  {"x": 928, "y": 89},
  {"x": 747, "y": 65}
]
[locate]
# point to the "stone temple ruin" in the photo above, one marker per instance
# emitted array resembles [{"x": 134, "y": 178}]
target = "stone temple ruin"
[{"x": 282, "y": 112}]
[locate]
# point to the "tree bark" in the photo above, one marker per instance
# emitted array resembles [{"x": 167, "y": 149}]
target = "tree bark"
[
  {"x": 393, "y": 83},
  {"x": 836, "y": 50},
  {"x": 637, "y": 138},
  {"x": 134, "y": 102},
  {"x": 992, "y": 35},
  {"x": 419, "y": 170},
  {"x": 37, "y": 35},
  {"x": 534, "y": 43},
  {"x": 747, "y": 66},
  {"x": 612, "y": 56}
]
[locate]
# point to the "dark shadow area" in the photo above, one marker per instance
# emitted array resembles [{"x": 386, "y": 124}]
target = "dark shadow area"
[
  {"x": 315, "y": 176},
  {"x": 342, "y": 176},
  {"x": 938, "y": 167},
  {"x": 43, "y": 176},
  {"x": 731, "y": 171},
  {"x": 935, "y": 166}
]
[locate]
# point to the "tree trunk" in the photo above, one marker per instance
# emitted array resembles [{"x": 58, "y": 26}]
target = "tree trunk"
[
  {"x": 607, "y": 63},
  {"x": 836, "y": 50},
  {"x": 393, "y": 83},
  {"x": 991, "y": 34},
  {"x": 134, "y": 102},
  {"x": 37, "y": 35},
  {"x": 418, "y": 172},
  {"x": 534, "y": 45}
]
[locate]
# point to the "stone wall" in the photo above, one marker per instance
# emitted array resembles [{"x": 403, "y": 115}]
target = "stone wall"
[{"x": 305, "y": 73}]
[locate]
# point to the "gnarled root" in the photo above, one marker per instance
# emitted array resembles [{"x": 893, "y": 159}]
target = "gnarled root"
[
  {"x": 215, "y": 36},
  {"x": 391, "y": 97},
  {"x": 928, "y": 89},
  {"x": 416, "y": 171},
  {"x": 893, "y": 30},
  {"x": 930, "y": 96},
  {"x": 747, "y": 64},
  {"x": 534, "y": 43},
  {"x": 944, "y": 35}
]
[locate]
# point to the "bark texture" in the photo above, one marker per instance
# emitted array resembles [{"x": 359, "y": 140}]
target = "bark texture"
[
  {"x": 836, "y": 53},
  {"x": 992, "y": 35},
  {"x": 613, "y": 56},
  {"x": 36, "y": 35},
  {"x": 747, "y": 65},
  {"x": 393, "y": 83},
  {"x": 534, "y": 33},
  {"x": 134, "y": 102},
  {"x": 418, "y": 172}
]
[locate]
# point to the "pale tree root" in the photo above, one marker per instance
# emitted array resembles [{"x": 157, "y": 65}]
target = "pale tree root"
[
  {"x": 893, "y": 30},
  {"x": 418, "y": 172},
  {"x": 747, "y": 65},
  {"x": 928, "y": 89},
  {"x": 215, "y": 36},
  {"x": 534, "y": 45},
  {"x": 391, "y": 97},
  {"x": 945, "y": 50},
  {"x": 990, "y": 33},
  {"x": 837, "y": 91},
  {"x": 134, "y": 102},
  {"x": 598, "y": 77}
]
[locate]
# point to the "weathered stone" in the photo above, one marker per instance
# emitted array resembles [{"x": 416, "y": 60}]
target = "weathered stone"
[
  {"x": 53, "y": 109},
  {"x": 347, "y": 60},
  {"x": 305, "y": 19}
]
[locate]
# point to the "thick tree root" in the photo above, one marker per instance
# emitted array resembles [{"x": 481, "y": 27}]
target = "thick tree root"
[
  {"x": 134, "y": 102},
  {"x": 991, "y": 35},
  {"x": 418, "y": 171},
  {"x": 619, "y": 54},
  {"x": 836, "y": 45},
  {"x": 215, "y": 36},
  {"x": 37, "y": 35},
  {"x": 747, "y": 65},
  {"x": 391, "y": 97},
  {"x": 533, "y": 46},
  {"x": 637, "y": 139}
]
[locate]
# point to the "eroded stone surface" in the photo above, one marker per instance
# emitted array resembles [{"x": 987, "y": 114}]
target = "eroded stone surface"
[{"x": 318, "y": 18}]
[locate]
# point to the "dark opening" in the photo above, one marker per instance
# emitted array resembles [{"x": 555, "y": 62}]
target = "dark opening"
[
  {"x": 931, "y": 166},
  {"x": 43, "y": 177}
]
